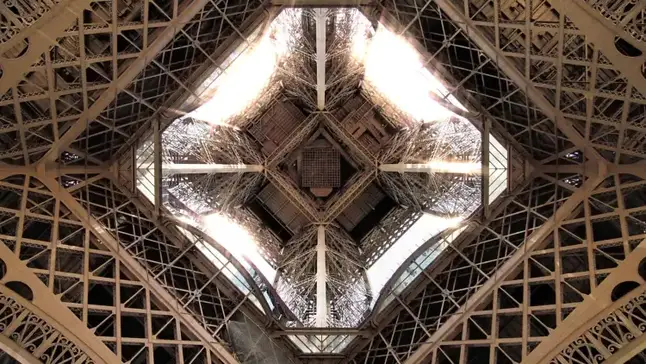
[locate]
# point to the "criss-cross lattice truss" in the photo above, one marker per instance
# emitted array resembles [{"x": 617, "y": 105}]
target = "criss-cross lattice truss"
[{"x": 445, "y": 181}]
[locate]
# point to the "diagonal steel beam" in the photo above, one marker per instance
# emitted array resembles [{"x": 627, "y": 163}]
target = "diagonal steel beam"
[
  {"x": 358, "y": 151},
  {"x": 133, "y": 265},
  {"x": 162, "y": 39},
  {"x": 392, "y": 23},
  {"x": 602, "y": 33},
  {"x": 39, "y": 37},
  {"x": 534, "y": 241},
  {"x": 535, "y": 95},
  {"x": 176, "y": 102}
]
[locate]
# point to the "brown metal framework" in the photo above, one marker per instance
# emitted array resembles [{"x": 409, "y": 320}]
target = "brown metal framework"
[{"x": 91, "y": 271}]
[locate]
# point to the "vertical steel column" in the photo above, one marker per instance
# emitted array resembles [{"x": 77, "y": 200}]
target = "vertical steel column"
[{"x": 321, "y": 278}]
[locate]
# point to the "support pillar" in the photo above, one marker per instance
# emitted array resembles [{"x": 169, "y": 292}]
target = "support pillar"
[{"x": 596, "y": 314}]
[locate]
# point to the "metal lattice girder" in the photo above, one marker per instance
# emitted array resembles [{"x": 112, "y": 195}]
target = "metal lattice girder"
[
  {"x": 610, "y": 28},
  {"x": 297, "y": 284},
  {"x": 601, "y": 25},
  {"x": 137, "y": 269},
  {"x": 387, "y": 318},
  {"x": 28, "y": 309},
  {"x": 159, "y": 40},
  {"x": 453, "y": 140},
  {"x": 389, "y": 230},
  {"x": 614, "y": 309},
  {"x": 222, "y": 142},
  {"x": 549, "y": 283},
  {"x": 532, "y": 242},
  {"x": 83, "y": 66},
  {"x": 183, "y": 101},
  {"x": 131, "y": 320},
  {"x": 440, "y": 292},
  {"x": 227, "y": 286},
  {"x": 79, "y": 270},
  {"x": 522, "y": 79},
  {"x": 442, "y": 72},
  {"x": 477, "y": 66},
  {"x": 36, "y": 38}
]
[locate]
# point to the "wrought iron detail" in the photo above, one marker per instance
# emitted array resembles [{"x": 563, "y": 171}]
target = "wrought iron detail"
[
  {"x": 36, "y": 336},
  {"x": 621, "y": 14},
  {"x": 16, "y": 15},
  {"x": 607, "y": 336}
]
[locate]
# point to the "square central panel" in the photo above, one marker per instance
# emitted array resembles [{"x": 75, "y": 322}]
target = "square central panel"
[{"x": 321, "y": 170}]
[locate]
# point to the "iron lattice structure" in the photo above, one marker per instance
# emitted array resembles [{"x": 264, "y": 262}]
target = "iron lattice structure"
[{"x": 95, "y": 266}]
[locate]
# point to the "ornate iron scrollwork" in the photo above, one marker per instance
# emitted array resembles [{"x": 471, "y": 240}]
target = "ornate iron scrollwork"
[
  {"x": 36, "y": 336},
  {"x": 607, "y": 336},
  {"x": 18, "y": 14},
  {"x": 618, "y": 11}
]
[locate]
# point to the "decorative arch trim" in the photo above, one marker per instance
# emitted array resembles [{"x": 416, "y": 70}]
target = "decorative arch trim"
[
  {"x": 16, "y": 352},
  {"x": 32, "y": 338}
]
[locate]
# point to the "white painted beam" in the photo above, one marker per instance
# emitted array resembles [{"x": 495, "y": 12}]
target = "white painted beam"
[
  {"x": 209, "y": 168},
  {"x": 323, "y": 3},
  {"x": 321, "y": 17},
  {"x": 433, "y": 167},
  {"x": 321, "y": 278}
]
